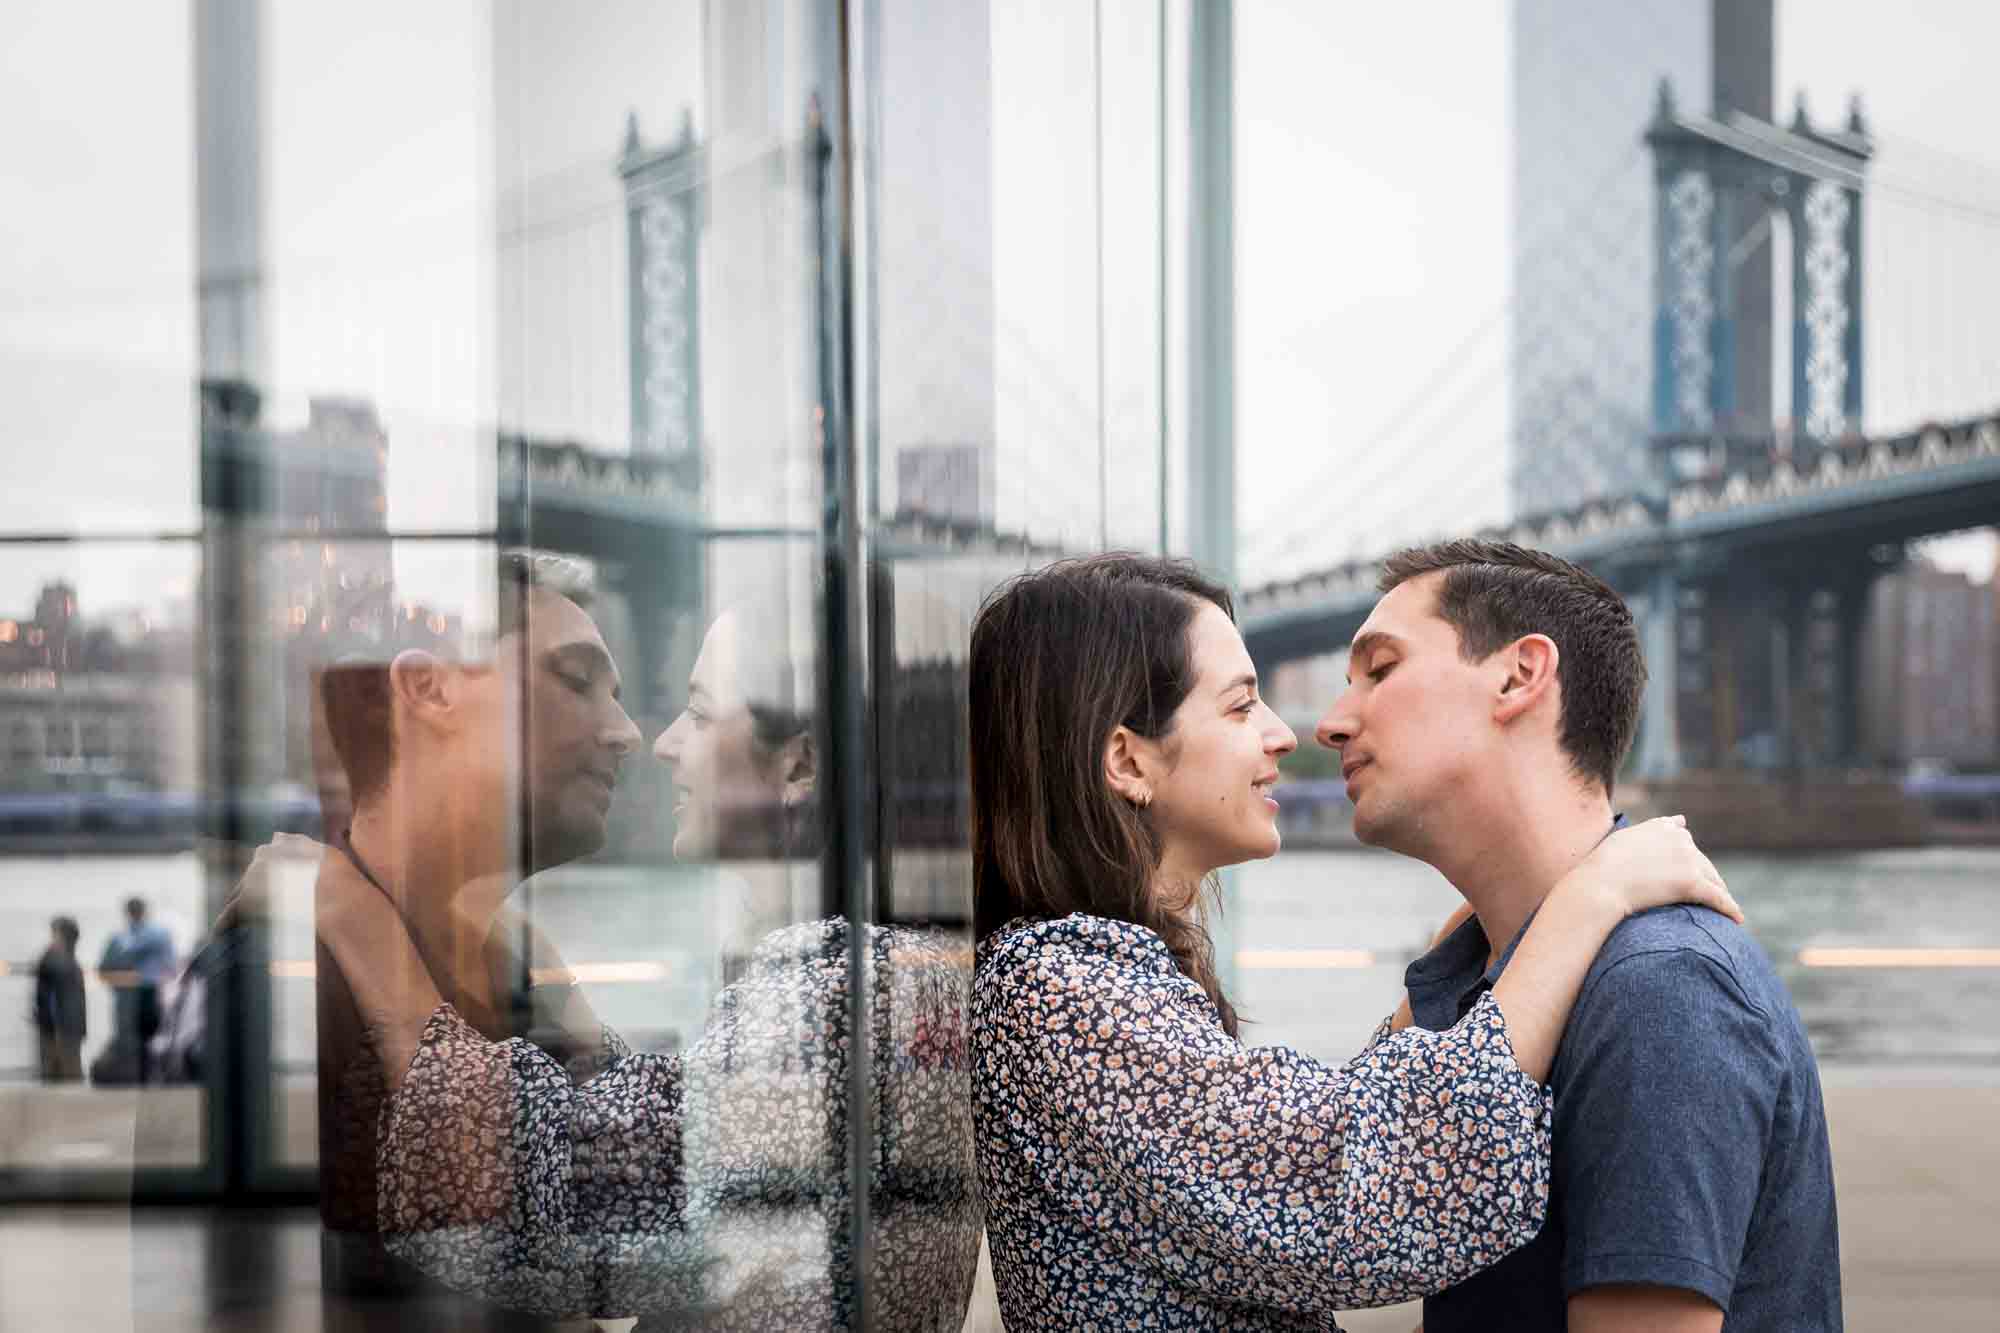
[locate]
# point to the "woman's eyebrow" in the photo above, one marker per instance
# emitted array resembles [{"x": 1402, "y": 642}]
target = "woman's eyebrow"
[{"x": 1248, "y": 678}]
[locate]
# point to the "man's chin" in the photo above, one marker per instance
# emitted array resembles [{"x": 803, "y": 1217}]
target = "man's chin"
[{"x": 577, "y": 839}]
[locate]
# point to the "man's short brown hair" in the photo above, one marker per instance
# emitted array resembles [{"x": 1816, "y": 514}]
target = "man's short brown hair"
[
  {"x": 354, "y": 695},
  {"x": 1493, "y": 593}
]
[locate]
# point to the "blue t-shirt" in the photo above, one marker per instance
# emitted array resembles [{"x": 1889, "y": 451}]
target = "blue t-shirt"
[
  {"x": 1690, "y": 1139},
  {"x": 146, "y": 948}
]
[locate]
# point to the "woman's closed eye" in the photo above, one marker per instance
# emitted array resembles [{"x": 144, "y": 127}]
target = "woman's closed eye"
[{"x": 1379, "y": 670}]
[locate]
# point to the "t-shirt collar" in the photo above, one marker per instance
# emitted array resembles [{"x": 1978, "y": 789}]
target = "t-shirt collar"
[
  {"x": 1492, "y": 974},
  {"x": 1456, "y": 957}
]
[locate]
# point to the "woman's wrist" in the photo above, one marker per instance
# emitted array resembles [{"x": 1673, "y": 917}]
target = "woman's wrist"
[{"x": 1590, "y": 898}]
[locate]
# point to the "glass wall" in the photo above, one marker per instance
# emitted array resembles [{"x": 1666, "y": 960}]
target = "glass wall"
[{"x": 531, "y": 472}]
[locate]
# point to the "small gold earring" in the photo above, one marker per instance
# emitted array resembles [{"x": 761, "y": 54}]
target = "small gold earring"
[{"x": 1144, "y": 800}]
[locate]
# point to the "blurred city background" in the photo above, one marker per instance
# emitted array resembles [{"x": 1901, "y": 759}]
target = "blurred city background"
[{"x": 310, "y": 310}]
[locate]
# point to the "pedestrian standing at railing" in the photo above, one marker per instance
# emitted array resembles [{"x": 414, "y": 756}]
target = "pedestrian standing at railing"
[
  {"x": 59, "y": 1018},
  {"x": 138, "y": 960}
]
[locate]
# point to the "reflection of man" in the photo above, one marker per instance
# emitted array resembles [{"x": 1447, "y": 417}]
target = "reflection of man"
[
  {"x": 464, "y": 778},
  {"x": 138, "y": 960},
  {"x": 59, "y": 1014},
  {"x": 1492, "y": 694}
]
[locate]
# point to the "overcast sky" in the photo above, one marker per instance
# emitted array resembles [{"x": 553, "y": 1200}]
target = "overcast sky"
[{"x": 1372, "y": 239}]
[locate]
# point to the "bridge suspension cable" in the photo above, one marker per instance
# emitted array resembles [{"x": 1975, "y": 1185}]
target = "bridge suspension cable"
[{"x": 1581, "y": 219}]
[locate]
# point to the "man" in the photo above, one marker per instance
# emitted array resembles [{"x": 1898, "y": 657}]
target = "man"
[
  {"x": 464, "y": 777},
  {"x": 138, "y": 960},
  {"x": 59, "y": 1008},
  {"x": 1492, "y": 694}
]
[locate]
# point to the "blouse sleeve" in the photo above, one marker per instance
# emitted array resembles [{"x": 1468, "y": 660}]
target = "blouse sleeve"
[
  {"x": 503, "y": 1178},
  {"x": 1258, "y": 1174}
]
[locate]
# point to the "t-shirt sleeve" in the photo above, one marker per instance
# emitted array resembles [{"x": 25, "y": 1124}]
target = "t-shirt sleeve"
[{"x": 1667, "y": 1083}]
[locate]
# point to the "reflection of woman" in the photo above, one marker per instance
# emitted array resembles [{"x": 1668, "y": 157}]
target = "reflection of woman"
[
  {"x": 711, "y": 1187},
  {"x": 1141, "y": 1166}
]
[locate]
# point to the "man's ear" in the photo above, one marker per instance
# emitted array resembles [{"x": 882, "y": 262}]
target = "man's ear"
[
  {"x": 798, "y": 768},
  {"x": 421, "y": 688},
  {"x": 1126, "y": 767},
  {"x": 1531, "y": 663}
]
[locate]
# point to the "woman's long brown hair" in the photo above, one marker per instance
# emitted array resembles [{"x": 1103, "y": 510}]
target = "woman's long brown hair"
[{"x": 1061, "y": 657}]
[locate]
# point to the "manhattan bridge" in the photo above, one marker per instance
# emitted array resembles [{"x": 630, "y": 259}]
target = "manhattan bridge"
[{"x": 1748, "y": 548}]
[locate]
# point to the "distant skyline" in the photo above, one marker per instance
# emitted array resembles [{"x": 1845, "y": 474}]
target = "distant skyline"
[{"x": 1372, "y": 245}]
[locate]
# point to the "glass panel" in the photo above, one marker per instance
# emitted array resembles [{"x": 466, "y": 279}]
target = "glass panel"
[
  {"x": 430, "y": 591},
  {"x": 99, "y": 597}
]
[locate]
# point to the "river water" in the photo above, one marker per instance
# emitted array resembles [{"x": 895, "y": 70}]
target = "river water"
[{"x": 1376, "y": 908}]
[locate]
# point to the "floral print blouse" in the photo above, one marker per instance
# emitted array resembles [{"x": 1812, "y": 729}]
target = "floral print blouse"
[
  {"x": 1143, "y": 1169},
  {"x": 707, "y": 1189}
]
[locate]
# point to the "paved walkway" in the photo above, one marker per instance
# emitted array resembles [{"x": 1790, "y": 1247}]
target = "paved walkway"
[{"x": 1916, "y": 1155}]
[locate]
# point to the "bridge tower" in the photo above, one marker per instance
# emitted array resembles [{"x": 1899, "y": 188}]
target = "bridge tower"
[
  {"x": 660, "y": 574},
  {"x": 1721, "y": 183},
  {"x": 1754, "y": 665}
]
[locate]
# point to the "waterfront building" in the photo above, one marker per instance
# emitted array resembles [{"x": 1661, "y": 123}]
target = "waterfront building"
[{"x": 1930, "y": 663}]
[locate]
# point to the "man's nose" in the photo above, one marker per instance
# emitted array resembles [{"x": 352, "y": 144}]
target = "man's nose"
[
  {"x": 622, "y": 734},
  {"x": 1336, "y": 729}
]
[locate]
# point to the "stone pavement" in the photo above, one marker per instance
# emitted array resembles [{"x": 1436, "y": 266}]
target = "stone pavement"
[{"x": 1915, "y": 1152}]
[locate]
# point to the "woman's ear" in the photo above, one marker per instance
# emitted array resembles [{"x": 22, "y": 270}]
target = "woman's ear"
[
  {"x": 798, "y": 769},
  {"x": 1531, "y": 663},
  {"x": 1126, "y": 767}
]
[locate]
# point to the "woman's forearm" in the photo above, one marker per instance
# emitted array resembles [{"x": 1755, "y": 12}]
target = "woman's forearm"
[
  {"x": 392, "y": 989},
  {"x": 1542, "y": 980}
]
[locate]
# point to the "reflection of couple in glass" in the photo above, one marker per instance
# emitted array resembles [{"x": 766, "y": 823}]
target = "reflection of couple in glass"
[{"x": 502, "y": 1139}]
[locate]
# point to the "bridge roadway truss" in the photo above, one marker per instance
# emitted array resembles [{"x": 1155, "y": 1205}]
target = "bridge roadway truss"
[{"x": 1750, "y": 575}]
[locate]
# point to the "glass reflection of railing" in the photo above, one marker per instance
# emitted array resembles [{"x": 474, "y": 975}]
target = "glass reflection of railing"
[{"x": 115, "y": 811}]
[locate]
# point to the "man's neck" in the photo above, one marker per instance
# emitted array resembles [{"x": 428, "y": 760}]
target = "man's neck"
[
  {"x": 1515, "y": 853},
  {"x": 447, "y": 874}
]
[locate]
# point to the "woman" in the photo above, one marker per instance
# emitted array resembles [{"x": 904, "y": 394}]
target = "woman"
[
  {"x": 708, "y": 1188},
  {"x": 1141, "y": 1167}
]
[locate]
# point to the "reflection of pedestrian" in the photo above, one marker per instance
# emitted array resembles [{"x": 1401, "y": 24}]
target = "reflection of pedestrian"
[
  {"x": 138, "y": 960},
  {"x": 59, "y": 1017}
]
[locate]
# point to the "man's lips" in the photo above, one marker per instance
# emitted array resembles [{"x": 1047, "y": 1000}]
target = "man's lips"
[{"x": 1350, "y": 768}]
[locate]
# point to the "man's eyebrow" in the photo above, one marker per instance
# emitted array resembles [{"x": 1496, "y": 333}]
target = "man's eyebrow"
[
  {"x": 1364, "y": 646},
  {"x": 584, "y": 652}
]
